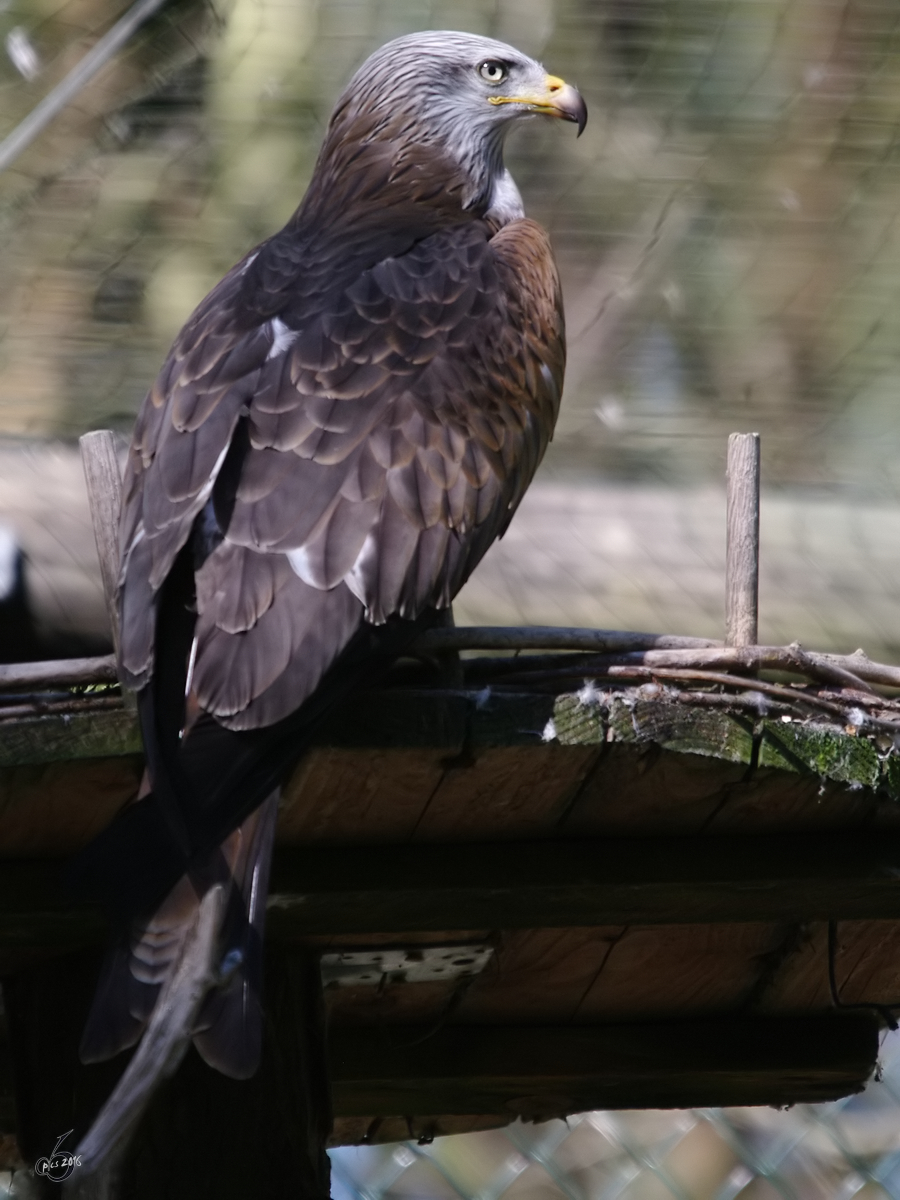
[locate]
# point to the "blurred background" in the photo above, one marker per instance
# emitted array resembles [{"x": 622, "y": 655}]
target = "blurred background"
[
  {"x": 728, "y": 235},
  {"x": 726, "y": 229}
]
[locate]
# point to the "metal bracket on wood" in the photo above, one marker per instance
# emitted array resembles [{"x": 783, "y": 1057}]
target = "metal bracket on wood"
[{"x": 418, "y": 964}]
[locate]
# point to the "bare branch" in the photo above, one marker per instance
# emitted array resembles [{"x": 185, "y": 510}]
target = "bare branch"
[
  {"x": 551, "y": 637},
  {"x": 64, "y": 671},
  {"x": 766, "y": 689}
]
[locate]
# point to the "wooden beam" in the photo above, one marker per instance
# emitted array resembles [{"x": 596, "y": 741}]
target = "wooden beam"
[
  {"x": 326, "y": 890},
  {"x": 541, "y": 1072},
  {"x": 609, "y": 881}
]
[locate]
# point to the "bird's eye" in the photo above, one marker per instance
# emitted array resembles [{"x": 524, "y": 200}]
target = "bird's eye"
[{"x": 493, "y": 71}]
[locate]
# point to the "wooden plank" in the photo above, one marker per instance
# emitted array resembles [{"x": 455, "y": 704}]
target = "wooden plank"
[
  {"x": 531, "y": 885},
  {"x": 539, "y": 975},
  {"x": 774, "y": 801},
  {"x": 505, "y": 792},
  {"x": 53, "y": 809},
  {"x": 401, "y": 717},
  {"x": 645, "y": 789},
  {"x": 389, "y": 1003},
  {"x": 614, "y": 881},
  {"x": 375, "y": 1131},
  {"x": 652, "y": 971},
  {"x": 70, "y": 736},
  {"x": 644, "y": 714},
  {"x": 406, "y": 717},
  {"x": 613, "y": 973},
  {"x": 404, "y": 763},
  {"x": 587, "y": 882},
  {"x": 538, "y": 1072},
  {"x": 352, "y": 795},
  {"x": 867, "y": 954}
]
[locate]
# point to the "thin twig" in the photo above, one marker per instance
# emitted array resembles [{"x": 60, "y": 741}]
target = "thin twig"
[
  {"x": 666, "y": 650},
  {"x": 746, "y": 659},
  {"x": 552, "y": 637},
  {"x": 71, "y": 705},
  {"x": 778, "y": 690},
  {"x": 587, "y": 646}
]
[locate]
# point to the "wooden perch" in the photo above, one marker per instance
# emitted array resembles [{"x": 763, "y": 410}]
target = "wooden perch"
[
  {"x": 64, "y": 671},
  {"x": 742, "y": 551},
  {"x": 104, "y": 488},
  {"x": 595, "y": 652},
  {"x": 850, "y": 671}
]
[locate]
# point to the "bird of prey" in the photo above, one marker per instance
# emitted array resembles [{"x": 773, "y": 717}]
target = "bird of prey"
[{"x": 340, "y": 431}]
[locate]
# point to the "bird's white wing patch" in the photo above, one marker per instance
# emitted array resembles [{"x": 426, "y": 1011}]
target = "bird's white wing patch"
[{"x": 282, "y": 337}]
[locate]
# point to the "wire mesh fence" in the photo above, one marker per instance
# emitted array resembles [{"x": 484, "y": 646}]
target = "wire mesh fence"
[
  {"x": 849, "y": 1148},
  {"x": 726, "y": 226}
]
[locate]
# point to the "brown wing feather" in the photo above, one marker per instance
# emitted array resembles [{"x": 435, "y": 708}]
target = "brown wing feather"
[{"x": 394, "y": 423}]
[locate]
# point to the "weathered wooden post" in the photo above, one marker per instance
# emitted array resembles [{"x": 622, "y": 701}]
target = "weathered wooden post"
[
  {"x": 742, "y": 548},
  {"x": 104, "y": 488}
]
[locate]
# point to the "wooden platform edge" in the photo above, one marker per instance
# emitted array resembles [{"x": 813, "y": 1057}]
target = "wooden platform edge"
[
  {"x": 411, "y": 718},
  {"x": 539, "y": 1072},
  {"x": 346, "y": 890}
]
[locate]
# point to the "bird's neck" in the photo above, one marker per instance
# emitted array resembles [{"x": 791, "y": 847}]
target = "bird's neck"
[
  {"x": 505, "y": 203},
  {"x": 379, "y": 176}
]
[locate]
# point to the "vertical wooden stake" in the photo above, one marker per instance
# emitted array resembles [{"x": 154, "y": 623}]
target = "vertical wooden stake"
[
  {"x": 742, "y": 551},
  {"x": 104, "y": 488}
]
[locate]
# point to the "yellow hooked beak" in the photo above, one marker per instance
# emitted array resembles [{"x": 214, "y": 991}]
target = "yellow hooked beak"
[{"x": 558, "y": 99}]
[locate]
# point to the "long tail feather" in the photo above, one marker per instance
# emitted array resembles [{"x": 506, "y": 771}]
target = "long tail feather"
[{"x": 139, "y": 967}]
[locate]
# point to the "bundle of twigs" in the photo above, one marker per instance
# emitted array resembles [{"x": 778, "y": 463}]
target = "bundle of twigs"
[{"x": 850, "y": 688}]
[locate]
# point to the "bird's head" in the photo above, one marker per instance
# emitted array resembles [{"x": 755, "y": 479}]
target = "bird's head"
[{"x": 455, "y": 92}]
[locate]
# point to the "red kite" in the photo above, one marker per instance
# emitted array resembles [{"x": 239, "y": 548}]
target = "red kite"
[{"x": 340, "y": 431}]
